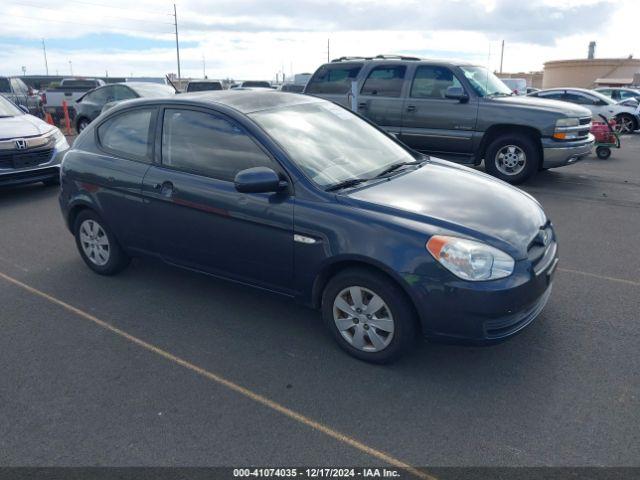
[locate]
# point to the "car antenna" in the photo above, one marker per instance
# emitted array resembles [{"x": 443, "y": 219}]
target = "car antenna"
[{"x": 171, "y": 83}]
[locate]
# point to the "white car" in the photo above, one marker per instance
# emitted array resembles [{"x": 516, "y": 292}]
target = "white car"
[
  {"x": 517, "y": 85},
  {"x": 626, "y": 114}
]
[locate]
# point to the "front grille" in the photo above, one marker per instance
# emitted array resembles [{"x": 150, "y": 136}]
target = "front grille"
[
  {"x": 25, "y": 159},
  {"x": 539, "y": 253}
]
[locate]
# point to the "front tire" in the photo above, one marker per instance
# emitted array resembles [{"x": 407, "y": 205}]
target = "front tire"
[
  {"x": 625, "y": 123},
  {"x": 512, "y": 157},
  {"x": 369, "y": 316},
  {"x": 81, "y": 124},
  {"x": 97, "y": 245}
]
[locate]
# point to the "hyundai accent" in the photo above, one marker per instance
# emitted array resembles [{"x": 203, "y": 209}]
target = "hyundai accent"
[{"x": 299, "y": 196}]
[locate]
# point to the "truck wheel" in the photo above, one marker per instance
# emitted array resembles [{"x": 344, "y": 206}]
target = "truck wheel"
[{"x": 512, "y": 157}]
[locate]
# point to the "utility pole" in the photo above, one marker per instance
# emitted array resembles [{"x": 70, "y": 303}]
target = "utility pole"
[
  {"x": 501, "y": 56},
  {"x": 71, "y": 67},
  {"x": 328, "y": 49},
  {"x": 46, "y": 64},
  {"x": 204, "y": 67},
  {"x": 175, "y": 24}
]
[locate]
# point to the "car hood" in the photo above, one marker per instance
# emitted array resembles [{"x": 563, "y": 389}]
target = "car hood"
[
  {"x": 22, "y": 126},
  {"x": 453, "y": 198},
  {"x": 556, "y": 106}
]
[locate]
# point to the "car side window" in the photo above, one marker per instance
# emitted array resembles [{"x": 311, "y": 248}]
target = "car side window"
[
  {"x": 623, "y": 94},
  {"x": 335, "y": 78},
  {"x": 578, "y": 99},
  {"x": 209, "y": 145},
  {"x": 5, "y": 87},
  {"x": 129, "y": 134},
  {"x": 120, "y": 92},
  {"x": 98, "y": 96},
  {"x": 385, "y": 81},
  {"x": 432, "y": 82},
  {"x": 551, "y": 95}
]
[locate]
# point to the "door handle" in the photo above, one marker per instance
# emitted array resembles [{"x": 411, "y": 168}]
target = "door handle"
[
  {"x": 362, "y": 106},
  {"x": 411, "y": 108}
]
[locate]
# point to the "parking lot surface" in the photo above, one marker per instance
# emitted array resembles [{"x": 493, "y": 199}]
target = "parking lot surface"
[{"x": 77, "y": 392}]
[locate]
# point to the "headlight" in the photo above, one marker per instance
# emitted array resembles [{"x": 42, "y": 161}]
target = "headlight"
[
  {"x": 567, "y": 122},
  {"x": 59, "y": 139},
  {"x": 470, "y": 260},
  {"x": 567, "y": 128}
]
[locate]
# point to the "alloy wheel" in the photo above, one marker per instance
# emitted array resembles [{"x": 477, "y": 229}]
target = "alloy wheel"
[
  {"x": 363, "y": 319},
  {"x": 510, "y": 160},
  {"x": 624, "y": 124},
  {"x": 95, "y": 243}
]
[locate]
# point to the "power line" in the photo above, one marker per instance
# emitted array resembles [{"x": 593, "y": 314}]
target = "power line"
[
  {"x": 149, "y": 32},
  {"x": 106, "y": 16}
]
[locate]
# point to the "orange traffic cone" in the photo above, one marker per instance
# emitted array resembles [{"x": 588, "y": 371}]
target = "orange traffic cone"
[{"x": 49, "y": 119}]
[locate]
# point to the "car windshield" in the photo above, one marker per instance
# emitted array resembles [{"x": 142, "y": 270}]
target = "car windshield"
[
  {"x": 485, "y": 83},
  {"x": 154, "y": 90},
  {"x": 330, "y": 144},
  {"x": 8, "y": 109}
]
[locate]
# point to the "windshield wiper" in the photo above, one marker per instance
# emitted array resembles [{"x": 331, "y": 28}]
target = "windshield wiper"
[
  {"x": 396, "y": 166},
  {"x": 351, "y": 182}
]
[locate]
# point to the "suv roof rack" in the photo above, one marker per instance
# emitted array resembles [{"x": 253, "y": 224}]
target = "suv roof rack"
[{"x": 377, "y": 57}]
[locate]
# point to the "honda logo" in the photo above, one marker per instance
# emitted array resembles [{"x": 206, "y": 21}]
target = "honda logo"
[{"x": 21, "y": 144}]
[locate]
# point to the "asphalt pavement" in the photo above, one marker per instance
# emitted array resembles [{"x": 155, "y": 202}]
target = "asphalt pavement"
[{"x": 164, "y": 367}]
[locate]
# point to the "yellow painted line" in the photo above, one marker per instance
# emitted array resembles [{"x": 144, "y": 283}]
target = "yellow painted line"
[
  {"x": 601, "y": 277},
  {"x": 256, "y": 397}
]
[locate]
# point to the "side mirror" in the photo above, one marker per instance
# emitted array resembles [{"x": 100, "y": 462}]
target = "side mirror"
[
  {"x": 23, "y": 108},
  {"x": 456, "y": 93},
  {"x": 258, "y": 180}
]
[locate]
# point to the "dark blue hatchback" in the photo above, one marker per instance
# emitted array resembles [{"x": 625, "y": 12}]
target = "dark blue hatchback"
[{"x": 299, "y": 196}]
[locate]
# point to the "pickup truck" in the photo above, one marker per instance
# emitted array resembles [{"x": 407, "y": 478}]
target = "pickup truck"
[
  {"x": 458, "y": 111},
  {"x": 70, "y": 89},
  {"x": 14, "y": 89}
]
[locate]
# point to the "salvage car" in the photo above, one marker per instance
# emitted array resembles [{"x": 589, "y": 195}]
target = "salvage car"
[
  {"x": 459, "y": 111},
  {"x": 301, "y": 197},
  {"x": 92, "y": 103},
  {"x": 30, "y": 148},
  {"x": 626, "y": 113}
]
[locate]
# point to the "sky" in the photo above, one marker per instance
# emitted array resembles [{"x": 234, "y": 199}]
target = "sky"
[{"x": 257, "y": 39}]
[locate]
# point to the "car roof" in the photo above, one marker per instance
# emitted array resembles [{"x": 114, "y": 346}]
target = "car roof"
[
  {"x": 382, "y": 59},
  {"x": 244, "y": 100}
]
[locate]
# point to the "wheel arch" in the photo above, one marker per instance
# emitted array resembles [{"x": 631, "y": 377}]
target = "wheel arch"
[{"x": 339, "y": 265}]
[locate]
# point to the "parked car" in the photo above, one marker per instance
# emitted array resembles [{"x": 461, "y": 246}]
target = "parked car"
[
  {"x": 459, "y": 111},
  {"x": 69, "y": 90},
  {"x": 532, "y": 90},
  {"x": 619, "y": 94},
  {"x": 204, "y": 85},
  {"x": 252, "y": 84},
  {"x": 29, "y": 147},
  {"x": 292, "y": 87},
  {"x": 15, "y": 90},
  {"x": 517, "y": 85},
  {"x": 627, "y": 117},
  {"x": 299, "y": 196},
  {"x": 92, "y": 103}
]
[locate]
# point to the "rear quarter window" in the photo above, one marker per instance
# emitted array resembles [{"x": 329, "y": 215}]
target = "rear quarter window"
[
  {"x": 129, "y": 134},
  {"x": 333, "y": 78},
  {"x": 385, "y": 81}
]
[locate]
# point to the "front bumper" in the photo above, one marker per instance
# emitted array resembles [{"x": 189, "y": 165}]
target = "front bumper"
[
  {"x": 560, "y": 153},
  {"x": 20, "y": 176},
  {"x": 484, "y": 312}
]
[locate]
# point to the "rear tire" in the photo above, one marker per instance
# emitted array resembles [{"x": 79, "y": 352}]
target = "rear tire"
[
  {"x": 97, "y": 245},
  {"x": 625, "y": 123},
  {"x": 377, "y": 323},
  {"x": 512, "y": 157}
]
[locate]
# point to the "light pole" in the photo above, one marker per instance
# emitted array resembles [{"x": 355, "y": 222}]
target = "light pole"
[
  {"x": 71, "y": 67},
  {"x": 46, "y": 64}
]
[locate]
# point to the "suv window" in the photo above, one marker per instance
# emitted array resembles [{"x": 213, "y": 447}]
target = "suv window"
[
  {"x": 333, "y": 78},
  {"x": 18, "y": 86},
  {"x": 385, "y": 81},
  {"x": 128, "y": 134},
  {"x": 432, "y": 82},
  {"x": 205, "y": 144}
]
